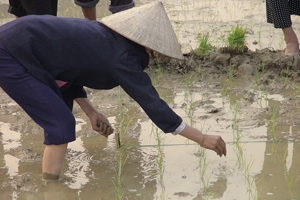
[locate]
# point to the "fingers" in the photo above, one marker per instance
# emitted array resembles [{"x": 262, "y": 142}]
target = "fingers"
[
  {"x": 215, "y": 143},
  {"x": 223, "y": 146},
  {"x": 219, "y": 150},
  {"x": 220, "y": 147},
  {"x": 104, "y": 129}
]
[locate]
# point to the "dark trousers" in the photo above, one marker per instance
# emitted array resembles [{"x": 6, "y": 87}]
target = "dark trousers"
[
  {"x": 22, "y": 8},
  {"x": 39, "y": 101}
]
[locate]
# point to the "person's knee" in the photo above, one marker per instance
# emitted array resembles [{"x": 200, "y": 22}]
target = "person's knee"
[{"x": 62, "y": 131}]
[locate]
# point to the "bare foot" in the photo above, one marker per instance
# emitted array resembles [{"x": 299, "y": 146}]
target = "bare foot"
[
  {"x": 292, "y": 49},
  {"x": 292, "y": 43}
]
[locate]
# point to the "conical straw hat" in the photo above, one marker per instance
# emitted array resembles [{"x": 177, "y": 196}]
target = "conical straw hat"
[{"x": 147, "y": 25}]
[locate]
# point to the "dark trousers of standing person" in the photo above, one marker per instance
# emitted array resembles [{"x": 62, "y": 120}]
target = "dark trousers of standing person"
[{"x": 22, "y": 8}]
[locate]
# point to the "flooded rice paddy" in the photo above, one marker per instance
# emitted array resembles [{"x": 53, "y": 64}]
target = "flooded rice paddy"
[{"x": 251, "y": 100}]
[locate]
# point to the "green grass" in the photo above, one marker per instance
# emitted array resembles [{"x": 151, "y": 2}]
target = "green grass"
[
  {"x": 204, "y": 47},
  {"x": 237, "y": 39}
]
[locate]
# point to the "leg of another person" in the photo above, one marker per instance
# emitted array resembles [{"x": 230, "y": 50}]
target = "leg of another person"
[
  {"x": 279, "y": 14},
  {"x": 16, "y": 8},
  {"x": 291, "y": 40},
  {"x": 88, "y": 8},
  {"x": 89, "y": 13},
  {"x": 44, "y": 106},
  {"x": 38, "y": 7}
]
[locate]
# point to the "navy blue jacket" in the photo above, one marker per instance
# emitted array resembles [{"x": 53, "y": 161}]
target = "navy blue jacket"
[{"x": 85, "y": 53}]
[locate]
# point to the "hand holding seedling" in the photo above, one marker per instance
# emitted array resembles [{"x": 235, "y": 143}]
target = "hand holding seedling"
[
  {"x": 212, "y": 142},
  {"x": 104, "y": 129},
  {"x": 98, "y": 120},
  {"x": 101, "y": 124}
]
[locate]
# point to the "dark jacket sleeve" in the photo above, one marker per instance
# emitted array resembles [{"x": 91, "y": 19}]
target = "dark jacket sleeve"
[{"x": 137, "y": 84}]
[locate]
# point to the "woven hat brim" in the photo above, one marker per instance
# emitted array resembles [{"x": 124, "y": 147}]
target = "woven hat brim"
[{"x": 149, "y": 26}]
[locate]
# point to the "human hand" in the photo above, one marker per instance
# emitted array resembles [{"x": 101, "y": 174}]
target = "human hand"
[
  {"x": 212, "y": 142},
  {"x": 101, "y": 124},
  {"x": 215, "y": 143}
]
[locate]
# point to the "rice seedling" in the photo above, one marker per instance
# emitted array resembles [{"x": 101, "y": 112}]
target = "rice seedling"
[
  {"x": 241, "y": 158},
  {"x": 232, "y": 72},
  {"x": 239, "y": 153},
  {"x": 200, "y": 72},
  {"x": 263, "y": 98},
  {"x": 225, "y": 90},
  {"x": 291, "y": 179},
  {"x": 204, "y": 47},
  {"x": 189, "y": 79},
  {"x": 158, "y": 73},
  {"x": 124, "y": 126},
  {"x": 203, "y": 166},
  {"x": 287, "y": 75},
  {"x": 236, "y": 111},
  {"x": 160, "y": 161},
  {"x": 202, "y": 163},
  {"x": 190, "y": 104},
  {"x": 119, "y": 176},
  {"x": 257, "y": 77},
  {"x": 206, "y": 184},
  {"x": 297, "y": 92},
  {"x": 259, "y": 71},
  {"x": 123, "y": 116},
  {"x": 237, "y": 39},
  {"x": 275, "y": 145},
  {"x": 237, "y": 135},
  {"x": 273, "y": 122},
  {"x": 284, "y": 156}
]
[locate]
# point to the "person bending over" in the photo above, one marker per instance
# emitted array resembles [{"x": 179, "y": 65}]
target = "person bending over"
[{"x": 36, "y": 50}]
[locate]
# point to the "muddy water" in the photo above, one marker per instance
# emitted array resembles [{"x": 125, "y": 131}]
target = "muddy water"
[{"x": 256, "y": 113}]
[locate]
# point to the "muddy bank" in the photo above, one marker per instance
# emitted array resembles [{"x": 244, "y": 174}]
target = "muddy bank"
[{"x": 270, "y": 64}]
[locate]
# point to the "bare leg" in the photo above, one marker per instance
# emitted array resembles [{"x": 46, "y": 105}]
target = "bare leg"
[
  {"x": 89, "y": 13},
  {"x": 292, "y": 43},
  {"x": 53, "y": 158}
]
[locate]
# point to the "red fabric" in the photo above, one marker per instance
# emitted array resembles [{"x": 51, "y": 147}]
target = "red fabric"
[{"x": 62, "y": 84}]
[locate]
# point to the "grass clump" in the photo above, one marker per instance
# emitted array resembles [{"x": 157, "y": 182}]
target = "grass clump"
[
  {"x": 204, "y": 47},
  {"x": 237, "y": 39}
]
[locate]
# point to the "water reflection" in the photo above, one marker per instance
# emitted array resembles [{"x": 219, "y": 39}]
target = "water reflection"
[
  {"x": 92, "y": 160},
  {"x": 280, "y": 173},
  {"x": 10, "y": 141}
]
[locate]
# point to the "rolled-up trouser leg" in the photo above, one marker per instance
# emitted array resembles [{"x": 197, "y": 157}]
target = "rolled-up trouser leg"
[
  {"x": 39, "y": 101},
  {"x": 120, "y": 5},
  {"x": 86, "y": 3}
]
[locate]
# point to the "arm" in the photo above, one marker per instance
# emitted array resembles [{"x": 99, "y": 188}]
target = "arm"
[
  {"x": 138, "y": 85},
  {"x": 211, "y": 142},
  {"x": 99, "y": 122}
]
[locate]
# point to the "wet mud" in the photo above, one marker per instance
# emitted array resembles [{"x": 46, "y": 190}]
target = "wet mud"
[{"x": 251, "y": 99}]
